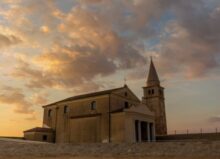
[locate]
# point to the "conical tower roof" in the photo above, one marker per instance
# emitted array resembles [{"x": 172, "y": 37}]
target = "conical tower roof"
[{"x": 153, "y": 78}]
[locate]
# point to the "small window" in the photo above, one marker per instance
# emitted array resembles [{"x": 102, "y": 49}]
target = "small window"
[
  {"x": 65, "y": 110},
  {"x": 152, "y": 91},
  {"x": 93, "y": 105},
  {"x": 149, "y": 92},
  {"x": 161, "y": 92},
  {"x": 49, "y": 112},
  {"x": 126, "y": 94},
  {"x": 44, "y": 137},
  {"x": 126, "y": 104}
]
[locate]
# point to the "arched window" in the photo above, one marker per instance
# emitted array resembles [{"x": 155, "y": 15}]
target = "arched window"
[
  {"x": 49, "y": 112},
  {"x": 93, "y": 105},
  {"x": 65, "y": 110}
]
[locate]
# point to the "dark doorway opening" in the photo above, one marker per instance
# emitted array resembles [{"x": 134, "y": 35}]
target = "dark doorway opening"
[
  {"x": 137, "y": 130},
  {"x": 151, "y": 131},
  {"x": 144, "y": 131}
]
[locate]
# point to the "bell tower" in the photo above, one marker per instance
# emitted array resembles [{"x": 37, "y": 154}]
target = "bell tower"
[{"x": 155, "y": 101}]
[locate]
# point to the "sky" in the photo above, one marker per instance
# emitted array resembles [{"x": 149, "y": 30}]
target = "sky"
[{"x": 50, "y": 50}]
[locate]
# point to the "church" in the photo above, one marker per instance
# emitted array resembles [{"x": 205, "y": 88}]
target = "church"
[{"x": 110, "y": 116}]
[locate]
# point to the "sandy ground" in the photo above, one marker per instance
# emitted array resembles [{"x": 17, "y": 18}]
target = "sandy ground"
[{"x": 16, "y": 149}]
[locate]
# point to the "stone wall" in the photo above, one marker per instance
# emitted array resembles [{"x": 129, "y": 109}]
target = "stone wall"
[
  {"x": 39, "y": 136},
  {"x": 163, "y": 150},
  {"x": 198, "y": 136}
]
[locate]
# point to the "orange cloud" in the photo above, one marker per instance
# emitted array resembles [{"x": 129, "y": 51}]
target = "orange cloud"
[
  {"x": 15, "y": 97},
  {"x": 45, "y": 29},
  {"x": 115, "y": 32},
  {"x": 8, "y": 40},
  {"x": 89, "y": 48},
  {"x": 39, "y": 99}
]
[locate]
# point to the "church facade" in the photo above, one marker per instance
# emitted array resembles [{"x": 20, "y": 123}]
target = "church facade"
[{"x": 115, "y": 115}]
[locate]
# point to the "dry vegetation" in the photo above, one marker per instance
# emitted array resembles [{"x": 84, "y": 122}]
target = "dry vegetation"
[{"x": 168, "y": 150}]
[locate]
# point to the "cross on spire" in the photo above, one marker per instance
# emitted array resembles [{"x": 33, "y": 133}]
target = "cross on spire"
[{"x": 125, "y": 81}]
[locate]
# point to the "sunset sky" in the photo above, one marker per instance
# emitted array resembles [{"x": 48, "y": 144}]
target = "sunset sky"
[{"x": 53, "y": 49}]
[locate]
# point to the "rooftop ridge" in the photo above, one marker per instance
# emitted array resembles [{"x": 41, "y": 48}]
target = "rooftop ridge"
[{"x": 91, "y": 94}]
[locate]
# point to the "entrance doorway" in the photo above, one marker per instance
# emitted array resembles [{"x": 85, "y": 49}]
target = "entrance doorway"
[
  {"x": 151, "y": 132},
  {"x": 137, "y": 130},
  {"x": 144, "y": 131}
]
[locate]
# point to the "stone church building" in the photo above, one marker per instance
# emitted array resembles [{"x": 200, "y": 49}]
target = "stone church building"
[{"x": 115, "y": 115}]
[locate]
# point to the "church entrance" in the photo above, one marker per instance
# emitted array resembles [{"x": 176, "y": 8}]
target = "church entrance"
[{"x": 144, "y": 131}]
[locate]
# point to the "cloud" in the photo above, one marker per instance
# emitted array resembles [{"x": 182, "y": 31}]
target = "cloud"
[
  {"x": 88, "y": 49},
  {"x": 45, "y": 29},
  {"x": 39, "y": 98},
  {"x": 96, "y": 39},
  {"x": 36, "y": 18},
  {"x": 20, "y": 103},
  {"x": 15, "y": 97},
  {"x": 191, "y": 42},
  {"x": 8, "y": 40}
]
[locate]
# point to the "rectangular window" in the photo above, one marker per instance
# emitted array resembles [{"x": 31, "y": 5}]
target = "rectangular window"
[
  {"x": 44, "y": 137},
  {"x": 65, "y": 110}
]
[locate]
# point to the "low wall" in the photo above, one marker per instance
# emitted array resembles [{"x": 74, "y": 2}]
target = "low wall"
[
  {"x": 155, "y": 150},
  {"x": 199, "y": 136}
]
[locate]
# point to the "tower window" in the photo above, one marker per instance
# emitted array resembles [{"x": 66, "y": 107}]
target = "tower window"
[
  {"x": 161, "y": 92},
  {"x": 93, "y": 105},
  {"x": 49, "y": 113},
  {"x": 65, "y": 110},
  {"x": 126, "y": 104},
  {"x": 152, "y": 91},
  {"x": 149, "y": 92}
]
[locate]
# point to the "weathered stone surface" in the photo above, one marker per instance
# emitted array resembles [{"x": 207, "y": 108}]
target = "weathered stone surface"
[{"x": 165, "y": 150}]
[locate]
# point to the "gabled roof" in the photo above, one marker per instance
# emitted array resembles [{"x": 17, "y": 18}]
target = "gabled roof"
[
  {"x": 141, "y": 108},
  {"x": 39, "y": 129},
  {"x": 93, "y": 94},
  {"x": 153, "y": 78}
]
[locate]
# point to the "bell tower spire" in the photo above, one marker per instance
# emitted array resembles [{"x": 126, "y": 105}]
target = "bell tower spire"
[
  {"x": 153, "y": 78},
  {"x": 154, "y": 99}
]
